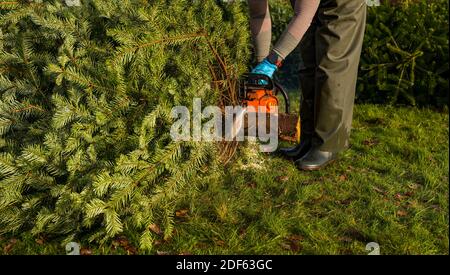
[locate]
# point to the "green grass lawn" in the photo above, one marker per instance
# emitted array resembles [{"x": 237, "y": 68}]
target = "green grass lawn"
[{"x": 390, "y": 187}]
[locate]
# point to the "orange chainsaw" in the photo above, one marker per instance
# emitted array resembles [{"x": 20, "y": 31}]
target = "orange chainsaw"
[
  {"x": 257, "y": 90},
  {"x": 260, "y": 92}
]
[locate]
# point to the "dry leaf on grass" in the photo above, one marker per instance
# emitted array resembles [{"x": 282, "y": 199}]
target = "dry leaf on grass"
[
  {"x": 436, "y": 207},
  {"x": 9, "y": 246},
  {"x": 219, "y": 242},
  {"x": 296, "y": 238},
  {"x": 85, "y": 251},
  {"x": 242, "y": 232},
  {"x": 122, "y": 241},
  {"x": 181, "y": 213},
  {"x": 40, "y": 241},
  {"x": 201, "y": 245},
  {"x": 346, "y": 239},
  {"x": 400, "y": 197},
  {"x": 295, "y": 247},
  {"x": 251, "y": 185},
  {"x": 291, "y": 246},
  {"x": 155, "y": 228},
  {"x": 283, "y": 178},
  {"x": 157, "y": 242},
  {"x": 285, "y": 246},
  {"x": 293, "y": 243},
  {"x": 402, "y": 213},
  {"x": 345, "y": 202},
  {"x": 370, "y": 142},
  {"x": 379, "y": 190},
  {"x": 414, "y": 186},
  {"x": 131, "y": 250}
]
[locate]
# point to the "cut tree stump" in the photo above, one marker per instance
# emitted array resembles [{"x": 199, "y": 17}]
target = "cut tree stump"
[{"x": 287, "y": 126}]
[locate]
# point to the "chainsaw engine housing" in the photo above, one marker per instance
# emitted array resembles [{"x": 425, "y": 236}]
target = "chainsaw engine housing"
[{"x": 260, "y": 92}]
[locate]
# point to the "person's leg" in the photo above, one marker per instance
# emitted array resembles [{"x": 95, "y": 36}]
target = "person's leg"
[
  {"x": 307, "y": 73},
  {"x": 339, "y": 39},
  {"x": 307, "y": 76}
]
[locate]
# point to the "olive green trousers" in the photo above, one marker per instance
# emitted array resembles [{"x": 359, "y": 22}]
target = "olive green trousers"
[{"x": 331, "y": 51}]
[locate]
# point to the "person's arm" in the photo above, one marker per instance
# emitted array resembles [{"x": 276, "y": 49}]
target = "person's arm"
[
  {"x": 261, "y": 27},
  {"x": 305, "y": 11}
]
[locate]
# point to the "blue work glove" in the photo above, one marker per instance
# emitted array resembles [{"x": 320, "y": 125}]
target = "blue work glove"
[{"x": 266, "y": 68}]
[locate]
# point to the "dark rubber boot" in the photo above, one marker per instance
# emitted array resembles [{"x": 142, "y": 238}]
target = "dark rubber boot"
[
  {"x": 315, "y": 160},
  {"x": 298, "y": 151}
]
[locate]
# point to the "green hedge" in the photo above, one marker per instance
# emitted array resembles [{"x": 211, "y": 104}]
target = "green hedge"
[{"x": 405, "y": 54}]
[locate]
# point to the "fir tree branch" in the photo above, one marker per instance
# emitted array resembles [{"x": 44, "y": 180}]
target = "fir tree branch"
[
  {"x": 89, "y": 84},
  {"x": 162, "y": 41},
  {"x": 28, "y": 108}
]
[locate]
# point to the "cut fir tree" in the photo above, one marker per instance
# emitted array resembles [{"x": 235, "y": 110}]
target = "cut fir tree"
[{"x": 85, "y": 99}]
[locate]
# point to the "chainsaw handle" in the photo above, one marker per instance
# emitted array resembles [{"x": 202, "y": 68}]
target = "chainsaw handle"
[
  {"x": 287, "y": 101},
  {"x": 258, "y": 81}
]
